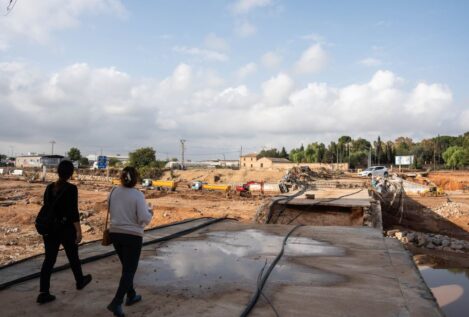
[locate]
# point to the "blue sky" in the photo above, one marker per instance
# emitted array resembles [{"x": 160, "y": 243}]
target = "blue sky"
[{"x": 223, "y": 74}]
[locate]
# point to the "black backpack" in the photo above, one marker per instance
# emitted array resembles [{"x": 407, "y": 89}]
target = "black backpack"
[{"x": 46, "y": 221}]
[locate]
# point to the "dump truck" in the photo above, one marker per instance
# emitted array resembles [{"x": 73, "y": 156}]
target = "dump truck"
[{"x": 222, "y": 188}]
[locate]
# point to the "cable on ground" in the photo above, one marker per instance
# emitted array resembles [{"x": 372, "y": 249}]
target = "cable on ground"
[{"x": 265, "y": 276}]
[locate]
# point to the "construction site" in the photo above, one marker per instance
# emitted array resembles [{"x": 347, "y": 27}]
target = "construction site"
[{"x": 335, "y": 244}]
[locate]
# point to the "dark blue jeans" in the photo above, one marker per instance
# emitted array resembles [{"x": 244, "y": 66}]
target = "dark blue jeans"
[
  {"x": 66, "y": 236},
  {"x": 128, "y": 248}
]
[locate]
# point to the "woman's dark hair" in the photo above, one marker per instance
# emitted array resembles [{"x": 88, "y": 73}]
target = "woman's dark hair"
[
  {"x": 65, "y": 170},
  {"x": 129, "y": 176}
]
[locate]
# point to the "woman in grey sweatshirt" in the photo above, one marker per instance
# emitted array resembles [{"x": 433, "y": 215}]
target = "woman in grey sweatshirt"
[{"x": 129, "y": 215}]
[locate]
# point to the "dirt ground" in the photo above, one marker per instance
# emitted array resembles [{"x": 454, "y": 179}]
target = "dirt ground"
[
  {"x": 20, "y": 202},
  {"x": 451, "y": 180},
  {"x": 225, "y": 176},
  {"x": 444, "y": 215}
]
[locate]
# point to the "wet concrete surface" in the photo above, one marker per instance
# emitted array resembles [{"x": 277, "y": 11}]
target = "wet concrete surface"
[
  {"x": 326, "y": 271},
  {"x": 232, "y": 260}
]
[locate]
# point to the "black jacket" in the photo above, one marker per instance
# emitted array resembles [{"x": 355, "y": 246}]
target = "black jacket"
[{"x": 66, "y": 207}]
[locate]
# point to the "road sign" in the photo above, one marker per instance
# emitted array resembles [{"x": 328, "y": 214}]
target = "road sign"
[{"x": 102, "y": 162}]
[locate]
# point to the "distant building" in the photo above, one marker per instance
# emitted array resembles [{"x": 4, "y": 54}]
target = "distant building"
[
  {"x": 269, "y": 162},
  {"x": 203, "y": 164},
  {"x": 248, "y": 160},
  {"x": 251, "y": 161},
  {"x": 38, "y": 160}
]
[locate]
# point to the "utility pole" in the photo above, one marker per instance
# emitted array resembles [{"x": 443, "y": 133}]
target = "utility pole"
[
  {"x": 12, "y": 148},
  {"x": 52, "y": 143},
  {"x": 182, "y": 151}
]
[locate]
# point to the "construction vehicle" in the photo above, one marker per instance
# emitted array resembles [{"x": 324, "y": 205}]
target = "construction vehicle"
[
  {"x": 164, "y": 185},
  {"x": 222, "y": 188},
  {"x": 433, "y": 191},
  {"x": 197, "y": 185},
  {"x": 243, "y": 190}
]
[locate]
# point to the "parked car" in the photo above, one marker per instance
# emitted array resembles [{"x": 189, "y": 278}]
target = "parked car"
[{"x": 374, "y": 171}]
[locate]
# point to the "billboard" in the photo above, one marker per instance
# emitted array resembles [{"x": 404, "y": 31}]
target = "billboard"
[{"x": 405, "y": 160}]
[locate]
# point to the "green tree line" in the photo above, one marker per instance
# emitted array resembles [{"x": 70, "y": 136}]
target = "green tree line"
[{"x": 450, "y": 151}]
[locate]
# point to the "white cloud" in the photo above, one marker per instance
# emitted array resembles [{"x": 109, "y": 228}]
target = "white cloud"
[
  {"x": 202, "y": 53},
  {"x": 244, "y": 29},
  {"x": 91, "y": 107},
  {"x": 37, "y": 20},
  {"x": 277, "y": 89},
  {"x": 245, "y": 6},
  {"x": 313, "y": 60},
  {"x": 216, "y": 43},
  {"x": 464, "y": 121},
  {"x": 246, "y": 70},
  {"x": 271, "y": 60},
  {"x": 314, "y": 37},
  {"x": 370, "y": 62}
]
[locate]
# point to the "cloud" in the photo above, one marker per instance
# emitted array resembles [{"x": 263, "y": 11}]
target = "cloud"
[
  {"x": 245, "y": 29},
  {"x": 271, "y": 60},
  {"x": 370, "y": 62},
  {"x": 314, "y": 37},
  {"x": 313, "y": 60},
  {"x": 216, "y": 43},
  {"x": 202, "y": 53},
  {"x": 38, "y": 20},
  {"x": 245, "y": 6},
  {"x": 246, "y": 70},
  {"x": 277, "y": 89},
  {"x": 89, "y": 107}
]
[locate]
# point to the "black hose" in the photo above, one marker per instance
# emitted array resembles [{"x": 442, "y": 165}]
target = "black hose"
[
  {"x": 110, "y": 253},
  {"x": 92, "y": 241},
  {"x": 265, "y": 276},
  {"x": 285, "y": 200}
]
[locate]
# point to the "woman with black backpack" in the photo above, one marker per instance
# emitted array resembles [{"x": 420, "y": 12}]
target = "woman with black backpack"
[{"x": 59, "y": 224}]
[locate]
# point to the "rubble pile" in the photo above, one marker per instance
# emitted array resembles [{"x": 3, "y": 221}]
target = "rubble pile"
[
  {"x": 430, "y": 241},
  {"x": 450, "y": 209},
  {"x": 305, "y": 174}
]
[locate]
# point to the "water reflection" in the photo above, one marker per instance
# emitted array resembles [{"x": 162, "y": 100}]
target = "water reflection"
[
  {"x": 451, "y": 289},
  {"x": 233, "y": 260}
]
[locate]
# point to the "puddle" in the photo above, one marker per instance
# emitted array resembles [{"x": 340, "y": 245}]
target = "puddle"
[
  {"x": 234, "y": 260},
  {"x": 451, "y": 289}
]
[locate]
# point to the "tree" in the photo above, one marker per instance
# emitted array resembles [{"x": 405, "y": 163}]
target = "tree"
[
  {"x": 84, "y": 162},
  {"x": 113, "y": 162},
  {"x": 142, "y": 157},
  {"x": 361, "y": 145},
  {"x": 283, "y": 153},
  {"x": 268, "y": 153},
  {"x": 74, "y": 154},
  {"x": 378, "y": 150},
  {"x": 456, "y": 157},
  {"x": 403, "y": 146}
]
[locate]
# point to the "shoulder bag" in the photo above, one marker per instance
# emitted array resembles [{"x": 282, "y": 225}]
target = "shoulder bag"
[{"x": 106, "y": 237}]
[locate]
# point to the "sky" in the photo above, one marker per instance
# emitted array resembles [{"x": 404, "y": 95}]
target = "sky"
[{"x": 110, "y": 76}]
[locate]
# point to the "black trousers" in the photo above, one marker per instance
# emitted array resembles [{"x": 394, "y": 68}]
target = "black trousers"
[
  {"x": 128, "y": 248},
  {"x": 66, "y": 236}
]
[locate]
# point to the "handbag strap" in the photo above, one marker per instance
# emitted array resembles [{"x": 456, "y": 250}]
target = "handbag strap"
[{"x": 108, "y": 208}]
